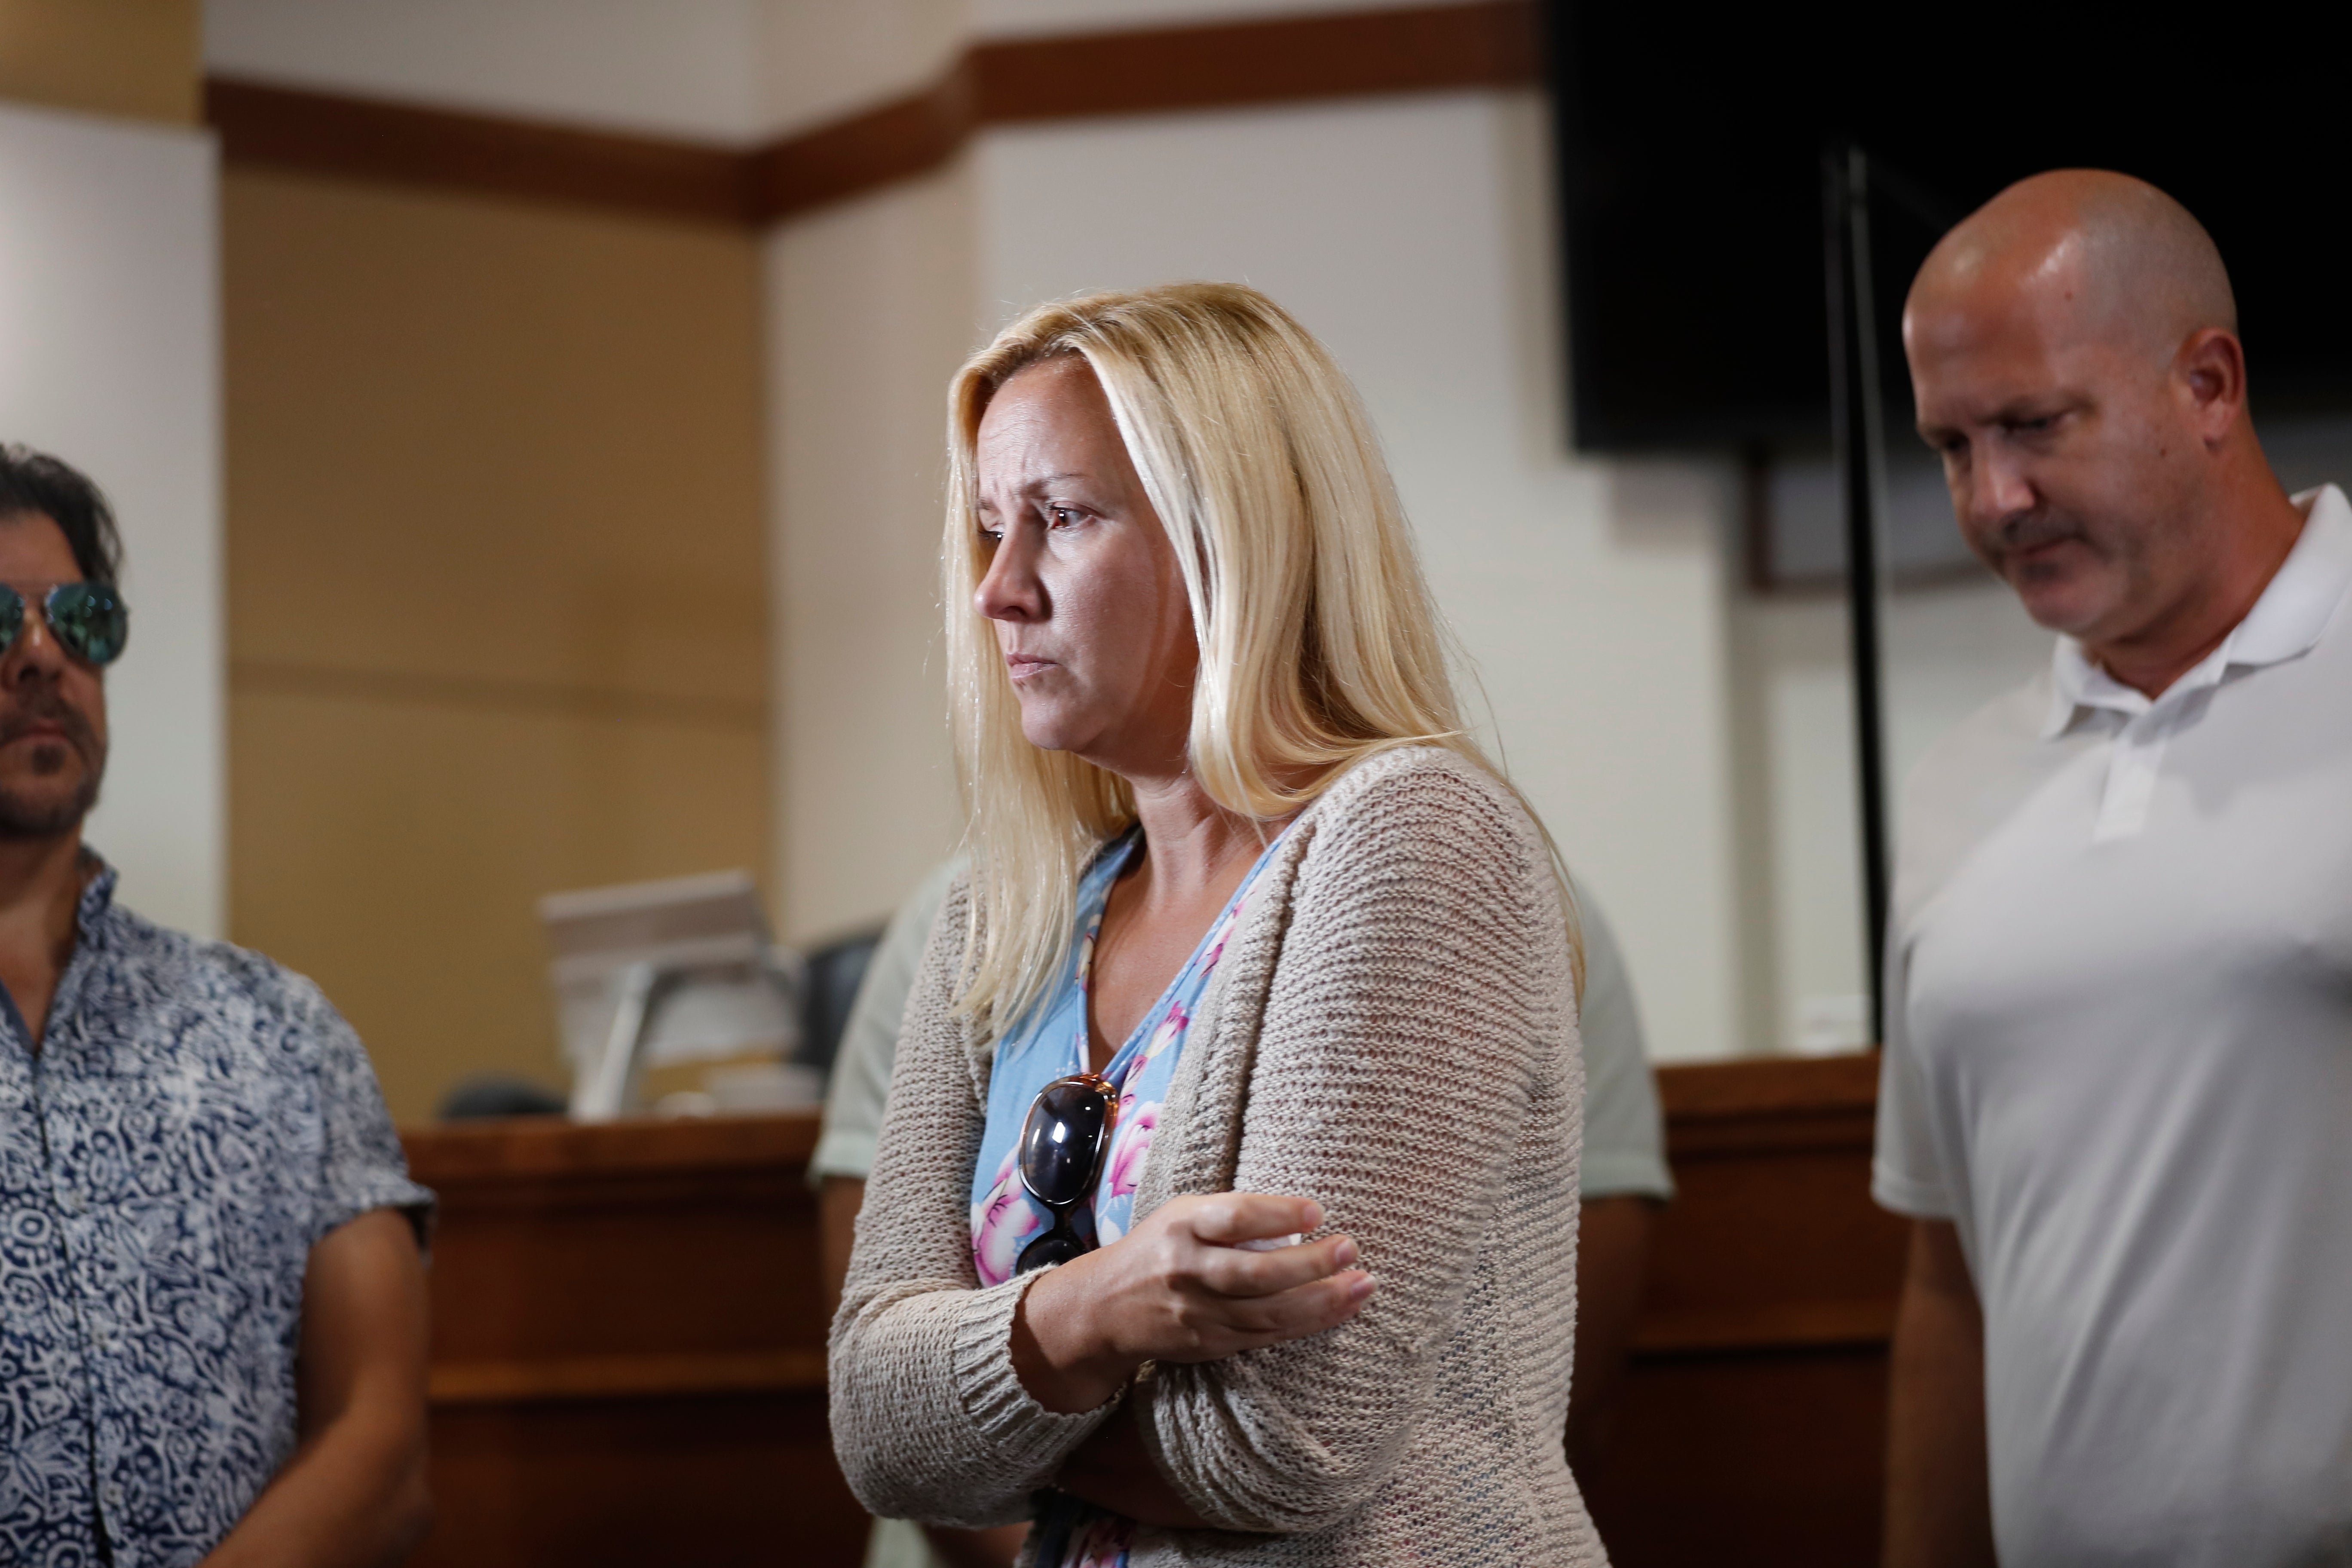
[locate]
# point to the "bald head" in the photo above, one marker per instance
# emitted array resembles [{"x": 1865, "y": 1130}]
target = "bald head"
[
  {"x": 2074, "y": 358},
  {"x": 2117, "y": 258}
]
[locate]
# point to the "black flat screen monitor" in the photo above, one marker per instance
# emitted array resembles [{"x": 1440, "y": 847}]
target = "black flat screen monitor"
[{"x": 1690, "y": 143}]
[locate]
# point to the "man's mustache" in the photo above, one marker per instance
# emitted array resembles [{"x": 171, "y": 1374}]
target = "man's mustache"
[
  {"x": 27, "y": 713},
  {"x": 2034, "y": 530}
]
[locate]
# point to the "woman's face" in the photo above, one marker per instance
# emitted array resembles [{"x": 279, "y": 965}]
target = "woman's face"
[{"x": 1080, "y": 579}]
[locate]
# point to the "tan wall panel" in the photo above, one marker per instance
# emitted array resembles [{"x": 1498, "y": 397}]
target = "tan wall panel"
[
  {"x": 470, "y": 436},
  {"x": 496, "y": 568},
  {"x": 143, "y": 58},
  {"x": 393, "y": 851}
]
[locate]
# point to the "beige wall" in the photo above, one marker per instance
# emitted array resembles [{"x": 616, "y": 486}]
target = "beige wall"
[
  {"x": 1688, "y": 745},
  {"x": 873, "y": 308},
  {"x": 1413, "y": 235},
  {"x": 497, "y": 592},
  {"x": 132, "y": 57}
]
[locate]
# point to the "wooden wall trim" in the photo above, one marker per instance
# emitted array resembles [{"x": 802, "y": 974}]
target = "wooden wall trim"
[
  {"x": 1439, "y": 47},
  {"x": 1696, "y": 1092},
  {"x": 551, "y": 1149},
  {"x": 1348, "y": 54},
  {"x": 540, "y": 1380},
  {"x": 866, "y": 151},
  {"x": 260, "y": 125}
]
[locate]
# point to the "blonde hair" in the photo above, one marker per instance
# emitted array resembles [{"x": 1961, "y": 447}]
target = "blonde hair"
[{"x": 1318, "y": 647}]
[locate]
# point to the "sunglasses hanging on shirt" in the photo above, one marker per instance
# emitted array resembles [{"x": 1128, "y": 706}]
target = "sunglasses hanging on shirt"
[{"x": 1061, "y": 1146}]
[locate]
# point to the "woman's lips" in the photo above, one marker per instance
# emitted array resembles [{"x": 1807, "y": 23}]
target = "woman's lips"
[{"x": 1025, "y": 664}]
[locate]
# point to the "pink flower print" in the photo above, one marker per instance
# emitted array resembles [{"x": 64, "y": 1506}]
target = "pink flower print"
[
  {"x": 1225, "y": 934},
  {"x": 1002, "y": 1225},
  {"x": 1127, "y": 1149},
  {"x": 1171, "y": 1030},
  {"x": 1102, "y": 1542}
]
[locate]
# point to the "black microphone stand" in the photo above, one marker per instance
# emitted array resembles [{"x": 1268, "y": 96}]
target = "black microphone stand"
[{"x": 1857, "y": 417}]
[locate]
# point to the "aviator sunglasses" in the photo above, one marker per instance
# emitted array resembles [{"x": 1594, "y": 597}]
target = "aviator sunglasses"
[
  {"x": 89, "y": 620},
  {"x": 1061, "y": 1146}
]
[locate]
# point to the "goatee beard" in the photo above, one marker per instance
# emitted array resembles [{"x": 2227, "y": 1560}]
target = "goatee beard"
[{"x": 41, "y": 815}]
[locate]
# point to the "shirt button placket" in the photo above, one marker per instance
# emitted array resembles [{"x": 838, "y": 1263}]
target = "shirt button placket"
[{"x": 2132, "y": 774}]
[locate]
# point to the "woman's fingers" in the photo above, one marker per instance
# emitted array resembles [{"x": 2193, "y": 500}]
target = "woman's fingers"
[
  {"x": 1307, "y": 1310},
  {"x": 1227, "y": 1219},
  {"x": 1229, "y": 1272},
  {"x": 1254, "y": 1322},
  {"x": 1180, "y": 1287}
]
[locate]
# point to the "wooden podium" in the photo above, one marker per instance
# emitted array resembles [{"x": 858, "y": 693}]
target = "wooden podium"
[
  {"x": 628, "y": 1340},
  {"x": 1753, "y": 1427},
  {"x": 628, "y": 1347}
]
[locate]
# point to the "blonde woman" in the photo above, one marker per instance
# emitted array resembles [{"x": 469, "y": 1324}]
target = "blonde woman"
[{"x": 1226, "y": 1206}]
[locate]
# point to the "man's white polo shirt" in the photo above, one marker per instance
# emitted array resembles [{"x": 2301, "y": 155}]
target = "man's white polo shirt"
[{"x": 2119, "y": 1059}]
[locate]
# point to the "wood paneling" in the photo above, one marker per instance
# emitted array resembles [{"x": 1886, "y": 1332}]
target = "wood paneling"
[
  {"x": 1486, "y": 43},
  {"x": 139, "y": 58},
  {"x": 496, "y": 592},
  {"x": 1753, "y": 1427},
  {"x": 1763, "y": 1458},
  {"x": 475, "y": 441},
  {"x": 629, "y": 1352},
  {"x": 393, "y": 852},
  {"x": 629, "y": 1340}
]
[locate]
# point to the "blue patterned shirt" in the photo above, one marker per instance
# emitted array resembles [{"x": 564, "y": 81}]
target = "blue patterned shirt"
[
  {"x": 195, "y": 1120},
  {"x": 1059, "y": 1039}
]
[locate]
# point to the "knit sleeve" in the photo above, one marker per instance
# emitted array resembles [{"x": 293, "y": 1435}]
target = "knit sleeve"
[
  {"x": 930, "y": 1420},
  {"x": 1419, "y": 1005}
]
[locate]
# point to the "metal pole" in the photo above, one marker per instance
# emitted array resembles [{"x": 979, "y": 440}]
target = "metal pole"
[{"x": 1856, "y": 414}]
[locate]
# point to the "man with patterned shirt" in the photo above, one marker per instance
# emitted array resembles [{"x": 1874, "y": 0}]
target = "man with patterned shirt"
[{"x": 212, "y": 1302}]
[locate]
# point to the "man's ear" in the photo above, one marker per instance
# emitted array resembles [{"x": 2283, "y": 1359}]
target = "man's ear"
[{"x": 2211, "y": 368}]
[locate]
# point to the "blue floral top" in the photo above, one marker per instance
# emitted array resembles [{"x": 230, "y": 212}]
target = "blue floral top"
[
  {"x": 195, "y": 1120},
  {"x": 1054, "y": 1043}
]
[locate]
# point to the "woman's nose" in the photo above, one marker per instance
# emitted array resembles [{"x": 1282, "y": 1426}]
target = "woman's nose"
[{"x": 1009, "y": 589}]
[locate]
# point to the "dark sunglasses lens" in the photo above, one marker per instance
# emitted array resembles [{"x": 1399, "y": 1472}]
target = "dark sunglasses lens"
[
  {"x": 1053, "y": 1246},
  {"x": 89, "y": 618},
  {"x": 12, "y": 614},
  {"x": 1062, "y": 1142}
]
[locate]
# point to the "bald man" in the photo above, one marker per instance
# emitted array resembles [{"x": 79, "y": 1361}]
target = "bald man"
[{"x": 2118, "y": 1085}]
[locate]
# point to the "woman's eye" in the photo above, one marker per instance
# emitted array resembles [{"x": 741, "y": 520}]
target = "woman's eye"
[{"x": 1063, "y": 516}]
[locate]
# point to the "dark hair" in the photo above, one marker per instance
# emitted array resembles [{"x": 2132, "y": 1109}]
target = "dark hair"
[{"x": 34, "y": 481}]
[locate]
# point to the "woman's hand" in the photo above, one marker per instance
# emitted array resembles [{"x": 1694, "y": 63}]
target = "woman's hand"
[{"x": 1181, "y": 1288}]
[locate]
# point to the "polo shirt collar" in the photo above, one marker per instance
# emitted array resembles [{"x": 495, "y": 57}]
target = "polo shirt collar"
[{"x": 2286, "y": 623}]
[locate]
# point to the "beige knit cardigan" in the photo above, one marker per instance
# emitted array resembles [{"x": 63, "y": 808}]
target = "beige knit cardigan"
[{"x": 1392, "y": 1032}]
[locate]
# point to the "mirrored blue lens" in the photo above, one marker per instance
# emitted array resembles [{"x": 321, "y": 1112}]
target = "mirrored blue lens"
[{"x": 89, "y": 618}]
